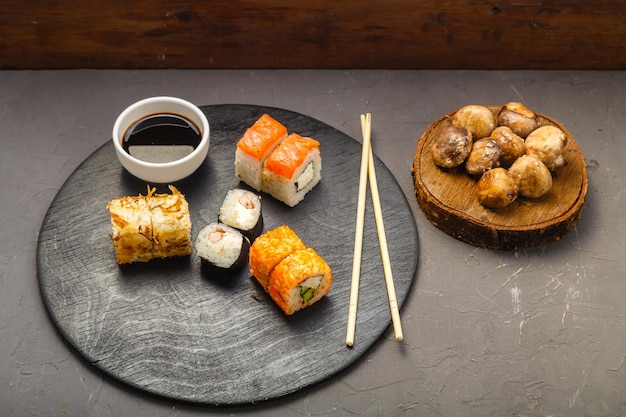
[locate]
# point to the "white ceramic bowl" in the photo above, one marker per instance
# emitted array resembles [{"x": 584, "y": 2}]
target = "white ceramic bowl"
[{"x": 165, "y": 172}]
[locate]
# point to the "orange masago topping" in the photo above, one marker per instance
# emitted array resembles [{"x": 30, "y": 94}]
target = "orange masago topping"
[
  {"x": 290, "y": 154},
  {"x": 260, "y": 138},
  {"x": 269, "y": 249}
]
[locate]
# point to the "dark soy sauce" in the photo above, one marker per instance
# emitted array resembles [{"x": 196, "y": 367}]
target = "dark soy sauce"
[{"x": 160, "y": 138}]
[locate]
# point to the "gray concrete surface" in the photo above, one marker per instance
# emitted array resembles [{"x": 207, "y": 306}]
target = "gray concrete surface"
[{"x": 540, "y": 332}]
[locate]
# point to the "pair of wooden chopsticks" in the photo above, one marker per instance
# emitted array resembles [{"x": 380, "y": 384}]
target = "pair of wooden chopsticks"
[{"x": 368, "y": 171}]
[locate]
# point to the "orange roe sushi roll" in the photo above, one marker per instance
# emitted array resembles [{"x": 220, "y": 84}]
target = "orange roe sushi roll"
[
  {"x": 292, "y": 169},
  {"x": 269, "y": 249},
  {"x": 255, "y": 146},
  {"x": 299, "y": 280}
]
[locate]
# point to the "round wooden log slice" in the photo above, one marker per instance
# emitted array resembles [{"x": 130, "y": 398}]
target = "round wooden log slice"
[{"x": 448, "y": 198}]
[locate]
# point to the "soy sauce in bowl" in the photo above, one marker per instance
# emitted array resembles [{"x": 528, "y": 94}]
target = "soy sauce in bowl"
[{"x": 161, "y": 138}]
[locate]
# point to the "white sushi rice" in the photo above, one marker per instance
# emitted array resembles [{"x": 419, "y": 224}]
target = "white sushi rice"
[
  {"x": 241, "y": 209},
  {"x": 248, "y": 169},
  {"x": 224, "y": 252}
]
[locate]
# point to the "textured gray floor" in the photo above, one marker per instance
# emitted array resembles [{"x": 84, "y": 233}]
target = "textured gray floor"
[{"x": 541, "y": 332}]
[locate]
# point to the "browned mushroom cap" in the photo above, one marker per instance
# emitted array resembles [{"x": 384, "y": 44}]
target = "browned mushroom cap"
[
  {"x": 477, "y": 119},
  {"x": 496, "y": 188},
  {"x": 485, "y": 155},
  {"x": 452, "y": 146},
  {"x": 519, "y": 118},
  {"x": 511, "y": 144},
  {"x": 547, "y": 144},
  {"x": 532, "y": 176}
]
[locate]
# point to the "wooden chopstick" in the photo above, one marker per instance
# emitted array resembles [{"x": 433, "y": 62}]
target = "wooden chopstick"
[
  {"x": 368, "y": 170},
  {"x": 358, "y": 235},
  {"x": 384, "y": 250}
]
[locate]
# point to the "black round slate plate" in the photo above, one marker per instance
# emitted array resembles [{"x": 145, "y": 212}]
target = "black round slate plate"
[{"x": 166, "y": 329}]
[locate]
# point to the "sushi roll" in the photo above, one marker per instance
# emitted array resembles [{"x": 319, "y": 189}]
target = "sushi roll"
[
  {"x": 241, "y": 209},
  {"x": 171, "y": 224},
  {"x": 151, "y": 226},
  {"x": 131, "y": 226},
  {"x": 294, "y": 276},
  {"x": 222, "y": 250},
  {"x": 254, "y": 147},
  {"x": 269, "y": 249},
  {"x": 299, "y": 280},
  {"x": 292, "y": 169}
]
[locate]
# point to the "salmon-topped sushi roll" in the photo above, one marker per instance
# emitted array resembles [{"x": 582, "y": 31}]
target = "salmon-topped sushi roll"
[
  {"x": 269, "y": 249},
  {"x": 256, "y": 144},
  {"x": 299, "y": 280},
  {"x": 292, "y": 169}
]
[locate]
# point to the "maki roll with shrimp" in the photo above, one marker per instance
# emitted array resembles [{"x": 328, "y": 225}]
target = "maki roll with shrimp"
[
  {"x": 241, "y": 209},
  {"x": 222, "y": 250},
  {"x": 292, "y": 169},
  {"x": 256, "y": 144}
]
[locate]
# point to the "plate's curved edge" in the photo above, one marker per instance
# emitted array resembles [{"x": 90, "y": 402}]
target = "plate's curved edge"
[
  {"x": 43, "y": 250},
  {"x": 40, "y": 248}
]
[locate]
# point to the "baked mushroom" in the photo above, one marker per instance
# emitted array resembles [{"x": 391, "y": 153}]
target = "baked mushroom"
[
  {"x": 532, "y": 176},
  {"x": 496, "y": 188},
  {"x": 519, "y": 118},
  {"x": 477, "y": 119},
  {"x": 485, "y": 155},
  {"x": 451, "y": 147},
  {"x": 547, "y": 144},
  {"x": 512, "y": 145}
]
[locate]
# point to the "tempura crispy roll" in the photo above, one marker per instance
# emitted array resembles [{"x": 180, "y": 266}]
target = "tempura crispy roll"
[
  {"x": 131, "y": 225},
  {"x": 152, "y": 226},
  {"x": 171, "y": 224}
]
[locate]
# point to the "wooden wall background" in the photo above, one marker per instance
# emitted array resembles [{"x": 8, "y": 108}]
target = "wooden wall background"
[{"x": 394, "y": 34}]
